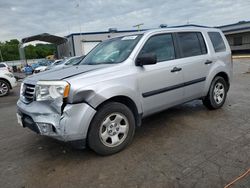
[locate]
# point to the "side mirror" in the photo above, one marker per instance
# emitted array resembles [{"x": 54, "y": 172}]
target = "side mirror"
[{"x": 146, "y": 59}]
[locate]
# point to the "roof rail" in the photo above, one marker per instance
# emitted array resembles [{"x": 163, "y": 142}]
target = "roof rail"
[{"x": 190, "y": 25}]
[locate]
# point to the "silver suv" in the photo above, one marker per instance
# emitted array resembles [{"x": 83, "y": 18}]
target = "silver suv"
[{"x": 100, "y": 101}]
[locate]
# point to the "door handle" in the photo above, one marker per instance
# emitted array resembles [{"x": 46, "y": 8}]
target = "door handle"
[
  {"x": 176, "y": 69},
  {"x": 208, "y": 62}
]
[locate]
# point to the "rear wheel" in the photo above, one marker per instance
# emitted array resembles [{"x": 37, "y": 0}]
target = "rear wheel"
[
  {"x": 112, "y": 129},
  {"x": 4, "y": 88},
  {"x": 217, "y": 94}
]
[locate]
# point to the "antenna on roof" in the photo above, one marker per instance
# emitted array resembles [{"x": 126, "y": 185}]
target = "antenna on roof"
[{"x": 138, "y": 26}]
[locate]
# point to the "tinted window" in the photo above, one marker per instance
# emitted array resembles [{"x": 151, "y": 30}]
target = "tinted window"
[
  {"x": 2, "y": 65},
  {"x": 191, "y": 44},
  {"x": 161, "y": 45},
  {"x": 217, "y": 41}
]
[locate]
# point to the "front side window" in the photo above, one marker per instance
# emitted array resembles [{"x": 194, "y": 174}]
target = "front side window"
[
  {"x": 217, "y": 41},
  {"x": 111, "y": 51},
  {"x": 161, "y": 45},
  {"x": 191, "y": 44}
]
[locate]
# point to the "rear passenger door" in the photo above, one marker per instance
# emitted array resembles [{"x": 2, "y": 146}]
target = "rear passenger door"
[
  {"x": 195, "y": 61},
  {"x": 160, "y": 84}
]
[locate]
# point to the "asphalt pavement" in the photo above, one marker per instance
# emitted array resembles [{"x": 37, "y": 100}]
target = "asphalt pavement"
[{"x": 185, "y": 146}]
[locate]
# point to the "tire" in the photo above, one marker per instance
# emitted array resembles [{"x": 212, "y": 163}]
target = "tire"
[
  {"x": 4, "y": 88},
  {"x": 111, "y": 129},
  {"x": 217, "y": 94}
]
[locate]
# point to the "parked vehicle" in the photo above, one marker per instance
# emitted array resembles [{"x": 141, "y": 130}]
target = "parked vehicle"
[
  {"x": 124, "y": 79},
  {"x": 66, "y": 62},
  {"x": 4, "y": 66},
  {"x": 27, "y": 69},
  {"x": 41, "y": 65},
  {"x": 56, "y": 62},
  {"x": 7, "y": 82}
]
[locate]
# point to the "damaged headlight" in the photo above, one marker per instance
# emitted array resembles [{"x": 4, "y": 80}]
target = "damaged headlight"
[{"x": 51, "y": 90}]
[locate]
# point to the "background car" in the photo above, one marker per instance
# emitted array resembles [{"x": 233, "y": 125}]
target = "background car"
[
  {"x": 41, "y": 65},
  {"x": 4, "y": 66},
  {"x": 66, "y": 62},
  {"x": 7, "y": 82}
]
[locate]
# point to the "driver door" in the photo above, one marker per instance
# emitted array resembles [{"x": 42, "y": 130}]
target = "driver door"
[{"x": 160, "y": 84}]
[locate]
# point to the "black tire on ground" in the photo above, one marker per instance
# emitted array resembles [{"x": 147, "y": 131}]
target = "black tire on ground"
[
  {"x": 96, "y": 143},
  {"x": 4, "y": 88},
  {"x": 209, "y": 100}
]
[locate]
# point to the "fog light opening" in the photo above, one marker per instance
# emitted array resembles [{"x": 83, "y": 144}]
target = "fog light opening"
[{"x": 46, "y": 128}]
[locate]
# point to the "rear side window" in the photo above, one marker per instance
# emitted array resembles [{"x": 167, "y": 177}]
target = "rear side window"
[
  {"x": 162, "y": 45},
  {"x": 191, "y": 44},
  {"x": 2, "y": 65},
  {"x": 217, "y": 41}
]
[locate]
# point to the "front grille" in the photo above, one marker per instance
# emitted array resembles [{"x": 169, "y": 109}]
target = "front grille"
[{"x": 29, "y": 92}]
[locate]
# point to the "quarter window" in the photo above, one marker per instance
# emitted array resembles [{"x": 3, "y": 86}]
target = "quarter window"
[
  {"x": 217, "y": 41},
  {"x": 191, "y": 44},
  {"x": 162, "y": 45}
]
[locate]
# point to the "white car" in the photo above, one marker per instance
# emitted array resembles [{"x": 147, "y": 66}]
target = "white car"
[
  {"x": 7, "y": 82},
  {"x": 67, "y": 62},
  {"x": 4, "y": 66},
  {"x": 40, "y": 69}
]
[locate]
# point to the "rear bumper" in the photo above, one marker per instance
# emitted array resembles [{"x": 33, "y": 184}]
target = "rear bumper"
[{"x": 69, "y": 125}]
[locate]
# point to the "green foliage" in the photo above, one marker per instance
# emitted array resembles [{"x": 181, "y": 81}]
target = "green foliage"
[{"x": 10, "y": 50}]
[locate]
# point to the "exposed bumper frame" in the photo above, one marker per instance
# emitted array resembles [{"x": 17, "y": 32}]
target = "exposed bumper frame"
[{"x": 69, "y": 125}]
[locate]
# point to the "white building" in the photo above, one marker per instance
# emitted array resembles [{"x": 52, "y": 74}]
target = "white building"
[
  {"x": 81, "y": 43},
  {"x": 238, "y": 36}
]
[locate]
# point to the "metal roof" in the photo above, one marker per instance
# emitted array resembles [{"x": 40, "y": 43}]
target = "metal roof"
[
  {"x": 234, "y": 24},
  {"x": 128, "y": 31},
  {"x": 46, "y": 37},
  {"x": 105, "y": 32}
]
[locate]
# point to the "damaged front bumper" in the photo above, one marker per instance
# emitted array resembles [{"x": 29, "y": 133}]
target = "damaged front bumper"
[{"x": 66, "y": 124}]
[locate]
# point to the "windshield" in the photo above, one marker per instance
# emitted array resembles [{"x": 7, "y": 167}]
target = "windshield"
[{"x": 111, "y": 51}]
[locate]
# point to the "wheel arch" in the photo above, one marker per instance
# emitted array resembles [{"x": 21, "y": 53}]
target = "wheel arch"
[
  {"x": 212, "y": 75},
  {"x": 225, "y": 76},
  {"x": 127, "y": 101}
]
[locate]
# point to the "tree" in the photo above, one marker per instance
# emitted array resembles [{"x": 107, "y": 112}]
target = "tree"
[{"x": 10, "y": 50}]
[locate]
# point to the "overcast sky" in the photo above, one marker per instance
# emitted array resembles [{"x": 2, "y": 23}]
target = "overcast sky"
[{"x": 22, "y": 18}]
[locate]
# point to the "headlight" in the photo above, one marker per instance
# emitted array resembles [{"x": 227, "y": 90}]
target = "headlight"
[
  {"x": 51, "y": 90},
  {"x": 22, "y": 89},
  {"x": 9, "y": 75}
]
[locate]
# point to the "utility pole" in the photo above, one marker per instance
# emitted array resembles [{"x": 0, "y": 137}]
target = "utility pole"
[
  {"x": 138, "y": 26},
  {"x": 80, "y": 26},
  {"x": 22, "y": 54}
]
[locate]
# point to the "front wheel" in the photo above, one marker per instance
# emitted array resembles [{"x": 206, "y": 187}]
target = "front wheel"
[
  {"x": 112, "y": 129},
  {"x": 217, "y": 94}
]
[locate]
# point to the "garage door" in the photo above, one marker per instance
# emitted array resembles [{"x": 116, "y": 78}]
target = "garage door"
[{"x": 88, "y": 46}]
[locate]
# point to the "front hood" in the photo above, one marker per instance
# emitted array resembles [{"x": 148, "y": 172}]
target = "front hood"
[{"x": 59, "y": 74}]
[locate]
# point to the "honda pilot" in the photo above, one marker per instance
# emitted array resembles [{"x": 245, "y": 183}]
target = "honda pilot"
[{"x": 99, "y": 102}]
